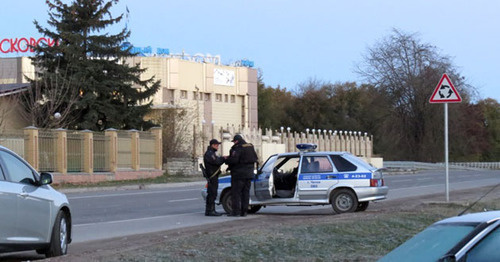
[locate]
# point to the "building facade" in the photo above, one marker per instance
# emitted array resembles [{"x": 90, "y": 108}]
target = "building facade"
[{"x": 216, "y": 94}]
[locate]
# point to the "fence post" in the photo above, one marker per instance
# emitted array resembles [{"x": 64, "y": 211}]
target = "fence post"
[
  {"x": 369, "y": 150},
  {"x": 88, "y": 151},
  {"x": 112, "y": 134},
  {"x": 31, "y": 146},
  {"x": 158, "y": 147},
  {"x": 363, "y": 145},
  {"x": 349, "y": 142},
  {"x": 62, "y": 151},
  {"x": 356, "y": 143},
  {"x": 136, "y": 161}
]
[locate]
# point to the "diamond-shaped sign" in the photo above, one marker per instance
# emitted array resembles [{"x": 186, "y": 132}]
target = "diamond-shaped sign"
[{"x": 445, "y": 92}]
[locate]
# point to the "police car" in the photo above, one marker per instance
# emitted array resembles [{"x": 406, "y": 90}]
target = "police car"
[{"x": 308, "y": 178}]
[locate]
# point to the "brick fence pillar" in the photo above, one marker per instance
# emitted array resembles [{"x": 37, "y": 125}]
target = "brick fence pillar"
[
  {"x": 157, "y": 133},
  {"x": 62, "y": 151},
  {"x": 88, "y": 151},
  {"x": 112, "y": 134},
  {"x": 31, "y": 146}
]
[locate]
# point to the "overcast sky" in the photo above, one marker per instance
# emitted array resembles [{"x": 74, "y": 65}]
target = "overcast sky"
[{"x": 293, "y": 41}]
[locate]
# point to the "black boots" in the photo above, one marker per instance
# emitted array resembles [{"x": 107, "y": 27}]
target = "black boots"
[{"x": 210, "y": 211}]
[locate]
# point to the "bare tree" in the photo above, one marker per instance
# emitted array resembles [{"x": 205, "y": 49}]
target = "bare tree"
[
  {"x": 5, "y": 110},
  {"x": 10, "y": 108},
  {"x": 177, "y": 130},
  {"x": 406, "y": 71},
  {"x": 49, "y": 102}
]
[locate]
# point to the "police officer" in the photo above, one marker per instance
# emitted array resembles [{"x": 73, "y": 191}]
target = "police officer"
[
  {"x": 241, "y": 160},
  {"x": 212, "y": 165}
]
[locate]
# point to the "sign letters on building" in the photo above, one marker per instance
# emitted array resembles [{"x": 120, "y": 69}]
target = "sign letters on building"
[{"x": 23, "y": 44}]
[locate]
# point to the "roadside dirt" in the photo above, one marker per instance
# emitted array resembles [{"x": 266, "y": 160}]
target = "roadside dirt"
[{"x": 100, "y": 250}]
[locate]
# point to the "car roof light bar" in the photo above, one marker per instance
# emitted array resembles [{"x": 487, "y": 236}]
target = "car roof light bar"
[{"x": 306, "y": 147}]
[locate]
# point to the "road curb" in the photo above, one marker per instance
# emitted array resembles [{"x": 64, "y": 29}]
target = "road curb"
[{"x": 130, "y": 187}]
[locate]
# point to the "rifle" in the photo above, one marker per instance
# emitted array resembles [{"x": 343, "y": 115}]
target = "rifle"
[{"x": 204, "y": 172}]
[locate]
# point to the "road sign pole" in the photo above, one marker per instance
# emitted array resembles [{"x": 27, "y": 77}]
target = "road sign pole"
[
  {"x": 445, "y": 93},
  {"x": 446, "y": 151}
]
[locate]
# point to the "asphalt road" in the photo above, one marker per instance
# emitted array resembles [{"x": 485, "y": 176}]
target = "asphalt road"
[{"x": 118, "y": 213}]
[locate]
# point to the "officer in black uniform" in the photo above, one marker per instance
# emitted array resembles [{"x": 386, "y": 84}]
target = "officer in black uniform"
[
  {"x": 212, "y": 165},
  {"x": 241, "y": 161}
]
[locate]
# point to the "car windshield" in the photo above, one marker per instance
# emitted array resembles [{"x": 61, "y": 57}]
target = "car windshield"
[{"x": 430, "y": 244}]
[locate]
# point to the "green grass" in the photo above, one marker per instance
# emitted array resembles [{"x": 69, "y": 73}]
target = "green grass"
[{"x": 350, "y": 239}]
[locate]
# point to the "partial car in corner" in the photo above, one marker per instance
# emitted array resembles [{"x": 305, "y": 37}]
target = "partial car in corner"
[
  {"x": 471, "y": 237},
  {"x": 34, "y": 215}
]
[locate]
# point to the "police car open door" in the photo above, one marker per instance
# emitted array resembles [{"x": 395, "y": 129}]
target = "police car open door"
[
  {"x": 278, "y": 178},
  {"x": 263, "y": 182}
]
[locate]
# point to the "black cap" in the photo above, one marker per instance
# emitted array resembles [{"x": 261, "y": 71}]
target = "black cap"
[
  {"x": 214, "y": 142},
  {"x": 237, "y": 138}
]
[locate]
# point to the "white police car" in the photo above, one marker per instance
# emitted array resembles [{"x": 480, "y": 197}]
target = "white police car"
[{"x": 309, "y": 178}]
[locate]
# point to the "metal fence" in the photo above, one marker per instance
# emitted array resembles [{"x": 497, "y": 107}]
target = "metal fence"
[
  {"x": 47, "y": 146},
  {"x": 75, "y": 152},
  {"x": 412, "y": 165},
  {"x": 147, "y": 150},
  {"x": 481, "y": 165},
  {"x": 101, "y": 152},
  {"x": 67, "y": 151},
  {"x": 124, "y": 150},
  {"x": 13, "y": 140}
]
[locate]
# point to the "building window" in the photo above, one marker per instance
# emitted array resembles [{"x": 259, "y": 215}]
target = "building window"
[
  {"x": 171, "y": 96},
  {"x": 225, "y": 98},
  {"x": 218, "y": 97},
  {"x": 207, "y": 97},
  {"x": 201, "y": 96},
  {"x": 195, "y": 95},
  {"x": 233, "y": 99},
  {"x": 166, "y": 95},
  {"x": 184, "y": 94}
]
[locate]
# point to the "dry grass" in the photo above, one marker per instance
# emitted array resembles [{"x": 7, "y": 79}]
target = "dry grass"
[{"x": 363, "y": 236}]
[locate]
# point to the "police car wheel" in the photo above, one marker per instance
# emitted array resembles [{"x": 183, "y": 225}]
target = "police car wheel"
[
  {"x": 344, "y": 201},
  {"x": 362, "y": 206},
  {"x": 253, "y": 209},
  {"x": 227, "y": 203}
]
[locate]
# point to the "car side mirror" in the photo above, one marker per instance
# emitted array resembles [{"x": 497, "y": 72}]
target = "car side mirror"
[{"x": 45, "y": 179}]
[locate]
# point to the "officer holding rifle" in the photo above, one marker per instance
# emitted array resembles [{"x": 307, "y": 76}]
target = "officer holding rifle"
[{"x": 212, "y": 168}]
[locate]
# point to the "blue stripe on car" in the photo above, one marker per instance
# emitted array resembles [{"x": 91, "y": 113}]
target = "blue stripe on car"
[
  {"x": 335, "y": 176},
  {"x": 226, "y": 179}
]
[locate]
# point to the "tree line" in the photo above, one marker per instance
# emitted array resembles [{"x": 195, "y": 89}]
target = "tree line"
[{"x": 400, "y": 73}]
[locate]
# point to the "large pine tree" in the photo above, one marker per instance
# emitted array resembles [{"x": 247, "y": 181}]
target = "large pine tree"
[{"x": 104, "y": 92}]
